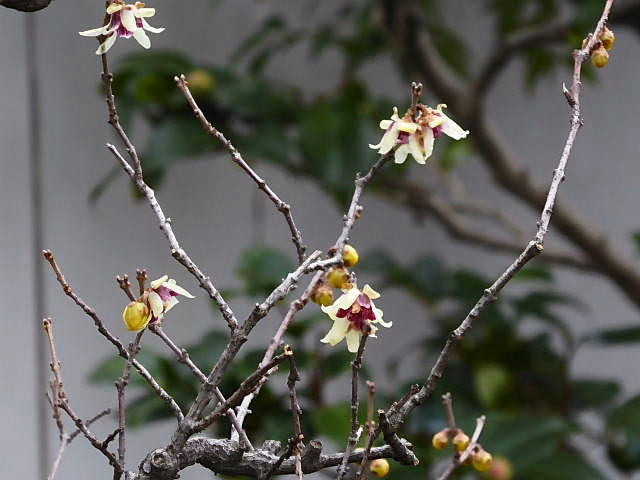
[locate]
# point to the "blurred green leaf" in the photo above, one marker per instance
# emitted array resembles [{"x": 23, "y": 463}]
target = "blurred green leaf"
[
  {"x": 262, "y": 269},
  {"x": 592, "y": 393},
  {"x": 615, "y": 336}
]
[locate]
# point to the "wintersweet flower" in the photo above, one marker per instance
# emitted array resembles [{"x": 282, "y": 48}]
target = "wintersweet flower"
[
  {"x": 416, "y": 135},
  {"x": 353, "y": 314},
  {"x": 126, "y": 21},
  {"x": 153, "y": 304}
]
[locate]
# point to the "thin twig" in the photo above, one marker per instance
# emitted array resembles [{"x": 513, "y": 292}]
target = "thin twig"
[
  {"x": 121, "y": 386},
  {"x": 135, "y": 173},
  {"x": 125, "y": 286},
  {"x": 141, "y": 277},
  {"x": 447, "y": 400},
  {"x": 296, "y": 409},
  {"x": 355, "y": 404},
  {"x": 282, "y": 207}
]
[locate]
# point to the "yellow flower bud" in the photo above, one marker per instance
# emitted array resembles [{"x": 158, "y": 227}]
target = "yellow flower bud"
[
  {"x": 201, "y": 82},
  {"x": 338, "y": 277},
  {"x": 323, "y": 295},
  {"x": 136, "y": 316},
  {"x": 600, "y": 57},
  {"x": 501, "y": 469},
  {"x": 461, "y": 441},
  {"x": 608, "y": 39},
  {"x": 482, "y": 460},
  {"x": 440, "y": 440},
  {"x": 350, "y": 256},
  {"x": 380, "y": 467}
]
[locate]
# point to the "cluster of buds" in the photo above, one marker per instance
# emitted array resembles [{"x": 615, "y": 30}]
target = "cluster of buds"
[
  {"x": 478, "y": 457},
  {"x": 600, "y": 55},
  {"x": 154, "y": 302},
  {"x": 353, "y": 313}
]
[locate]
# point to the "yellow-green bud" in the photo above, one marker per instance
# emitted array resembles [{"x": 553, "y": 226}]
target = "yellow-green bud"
[
  {"x": 440, "y": 440},
  {"x": 201, "y": 82},
  {"x": 338, "y": 277},
  {"x": 481, "y": 460},
  {"x": 600, "y": 57},
  {"x": 608, "y": 39},
  {"x": 136, "y": 316},
  {"x": 501, "y": 469},
  {"x": 461, "y": 441},
  {"x": 350, "y": 256},
  {"x": 323, "y": 295},
  {"x": 380, "y": 467}
]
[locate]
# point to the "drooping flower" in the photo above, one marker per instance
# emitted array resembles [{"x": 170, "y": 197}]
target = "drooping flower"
[
  {"x": 353, "y": 314},
  {"x": 416, "y": 136},
  {"x": 153, "y": 304},
  {"x": 126, "y": 21}
]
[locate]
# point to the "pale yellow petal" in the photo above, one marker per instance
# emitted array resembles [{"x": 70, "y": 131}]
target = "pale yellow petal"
[
  {"x": 151, "y": 29},
  {"x": 453, "y": 130},
  {"x": 156, "y": 304},
  {"x": 114, "y": 7},
  {"x": 144, "y": 12},
  {"x": 337, "y": 332},
  {"x": 142, "y": 38},
  {"x": 169, "y": 304},
  {"x": 416, "y": 150},
  {"x": 345, "y": 301},
  {"x": 408, "y": 127},
  {"x": 171, "y": 285},
  {"x": 379, "y": 319},
  {"x": 128, "y": 20},
  {"x": 385, "y": 124},
  {"x": 370, "y": 292},
  {"x": 353, "y": 340},
  {"x": 94, "y": 32},
  {"x": 107, "y": 44},
  {"x": 401, "y": 154},
  {"x": 389, "y": 140},
  {"x": 395, "y": 117},
  {"x": 427, "y": 142},
  {"x": 158, "y": 283}
]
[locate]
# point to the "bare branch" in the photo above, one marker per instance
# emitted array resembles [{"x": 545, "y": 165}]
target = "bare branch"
[{"x": 284, "y": 208}]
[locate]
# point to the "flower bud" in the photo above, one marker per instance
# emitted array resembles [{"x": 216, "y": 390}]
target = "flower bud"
[
  {"x": 501, "y": 469},
  {"x": 600, "y": 57},
  {"x": 608, "y": 39},
  {"x": 481, "y": 460},
  {"x": 440, "y": 440},
  {"x": 350, "y": 256},
  {"x": 323, "y": 295},
  {"x": 461, "y": 441},
  {"x": 201, "y": 82},
  {"x": 136, "y": 316},
  {"x": 380, "y": 467},
  {"x": 338, "y": 277}
]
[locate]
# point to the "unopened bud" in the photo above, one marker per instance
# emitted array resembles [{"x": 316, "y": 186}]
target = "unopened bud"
[
  {"x": 338, "y": 277},
  {"x": 461, "y": 441},
  {"x": 608, "y": 39},
  {"x": 501, "y": 469},
  {"x": 440, "y": 440},
  {"x": 600, "y": 57},
  {"x": 350, "y": 256},
  {"x": 201, "y": 82},
  {"x": 380, "y": 467},
  {"x": 323, "y": 295},
  {"x": 481, "y": 460},
  {"x": 136, "y": 316}
]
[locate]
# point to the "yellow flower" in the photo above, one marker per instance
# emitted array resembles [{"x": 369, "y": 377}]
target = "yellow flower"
[
  {"x": 353, "y": 314},
  {"x": 380, "y": 467},
  {"x": 126, "y": 21},
  {"x": 416, "y": 137}
]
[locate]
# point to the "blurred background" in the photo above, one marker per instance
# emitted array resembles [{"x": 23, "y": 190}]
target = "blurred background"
[{"x": 299, "y": 87}]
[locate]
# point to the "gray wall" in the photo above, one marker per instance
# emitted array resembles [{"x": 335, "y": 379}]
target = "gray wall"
[{"x": 211, "y": 204}]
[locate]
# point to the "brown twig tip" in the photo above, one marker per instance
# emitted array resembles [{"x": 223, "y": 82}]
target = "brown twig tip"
[{"x": 142, "y": 277}]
